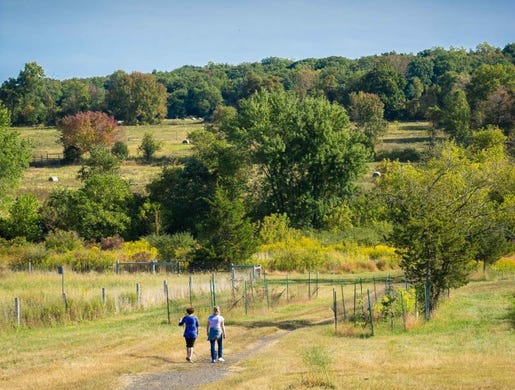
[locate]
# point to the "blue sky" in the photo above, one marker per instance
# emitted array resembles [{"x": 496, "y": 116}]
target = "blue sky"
[{"x": 84, "y": 38}]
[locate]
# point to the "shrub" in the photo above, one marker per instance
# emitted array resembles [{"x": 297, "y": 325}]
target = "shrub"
[
  {"x": 120, "y": 150},
  {"x": 504, "y": 265},
  {"x": 63, "y": 241},
  {"x": 22, "y": 255}
]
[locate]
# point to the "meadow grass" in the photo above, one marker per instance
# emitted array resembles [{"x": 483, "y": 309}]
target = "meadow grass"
[
  {"x": 404, "y": 135},
  {"x": 170, "y": 134},
  {"x": 468, "y": 344},
  {"x": 42, "y": 304}
]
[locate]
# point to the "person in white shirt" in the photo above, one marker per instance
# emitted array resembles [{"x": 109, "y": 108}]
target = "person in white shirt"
[{"x": 215, "y": 334}]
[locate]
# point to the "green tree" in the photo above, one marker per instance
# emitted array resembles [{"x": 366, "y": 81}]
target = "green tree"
[
  {"x": 75, "y": 97},
  {"x": 24, "y": 219},
  {"x": 305, "y": 153},
  {"x": 182, "y": 193},
  {"x": 443, "y": 210},
  {"x": 136, "y": 98},
  {"x": 226, "y": 236},
  {"x": 455, "y": 117},
  {"x": 100, "y": 161},
  {"x": 366, "y": 111},
  {"x": 99, "y": 209},
  {"x": 389, "y": 85},
  {"x": 149, "y": 146},
  {"x": 15, "y": 156}
]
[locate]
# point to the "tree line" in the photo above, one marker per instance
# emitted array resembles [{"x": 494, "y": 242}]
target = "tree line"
[{"x": 431, "y": 85}]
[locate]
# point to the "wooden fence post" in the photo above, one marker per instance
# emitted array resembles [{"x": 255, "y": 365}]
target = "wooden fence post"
[{"x": 17, "y": 311}]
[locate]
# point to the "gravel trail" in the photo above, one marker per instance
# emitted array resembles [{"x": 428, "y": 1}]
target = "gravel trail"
[{"x": 190, "y": 376}]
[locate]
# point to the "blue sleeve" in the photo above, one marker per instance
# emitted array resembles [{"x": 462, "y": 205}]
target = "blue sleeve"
[{"x": 181, "y": 322}]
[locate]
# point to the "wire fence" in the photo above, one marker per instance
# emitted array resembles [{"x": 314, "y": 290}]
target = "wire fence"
[{"x": 357, "y": 301}]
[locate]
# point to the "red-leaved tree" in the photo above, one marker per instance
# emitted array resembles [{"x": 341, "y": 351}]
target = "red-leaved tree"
[{"x": 85, "y": 130}]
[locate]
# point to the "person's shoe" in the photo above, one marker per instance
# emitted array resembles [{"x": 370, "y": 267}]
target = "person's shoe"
[
  {"x": 213, "y": 361},
  {"x": 221, "y": 359},
  {"x": 189, "y": 360}
]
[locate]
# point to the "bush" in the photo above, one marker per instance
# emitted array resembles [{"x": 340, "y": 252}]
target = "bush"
[
  {"x": 403, "y": 155},
  {"x": 63, "y": 241},
  {"x": 120, "y": 150}
]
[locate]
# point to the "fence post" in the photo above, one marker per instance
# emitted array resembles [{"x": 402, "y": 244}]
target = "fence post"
[
  {"x": 266, "y": 290},
  {"x": 335, "y": 310},
  {"x": 427, "y": 295},
  {"x": 287, "y": 292},
  {"x": 245, "y": 296},
  {"x": 375, "y": 291},
  {"x": 190, "y": 288},
  {"x": 167, "y": 301},
  {"x": 233, "y": 283},
  {"x": 370, "y": 313},
  {"x": 214, "y": 290},
  {"x": 30, "y": 267},
  {"x": 309, "y": 284},
  {"x": 316, "y": 286},
  {"x": 104, "y": 296},
  {"x": 343, "y": 303},
  {"x": 403, "y": 311},
  {"x": 17, "y": 311},
  {"x": 138, "y": 294},
  {"x": 355, "y": 286},
  {"x": 117, "y": 268}
]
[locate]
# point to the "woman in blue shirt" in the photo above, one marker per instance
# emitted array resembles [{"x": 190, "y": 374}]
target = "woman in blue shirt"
[{"x": 191, "y": 325}]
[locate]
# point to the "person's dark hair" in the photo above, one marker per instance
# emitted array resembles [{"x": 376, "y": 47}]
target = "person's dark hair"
[{"x": 190, "y": 310}]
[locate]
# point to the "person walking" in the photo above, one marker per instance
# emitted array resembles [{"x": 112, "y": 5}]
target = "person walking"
[
  {"x": 215, "y": 334},
  {"x": 191, "y": 325}
]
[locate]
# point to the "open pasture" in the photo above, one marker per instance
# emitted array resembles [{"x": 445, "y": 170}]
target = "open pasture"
[
  {"x": 469, "y": 344},
  {"x": 170, "y": 134}
]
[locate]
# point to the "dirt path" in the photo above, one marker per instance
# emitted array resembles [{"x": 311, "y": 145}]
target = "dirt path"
[{"x": 190, "y": 376}]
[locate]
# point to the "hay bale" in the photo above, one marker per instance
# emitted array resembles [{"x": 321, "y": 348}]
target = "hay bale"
[{"x": 54, "y": 179}]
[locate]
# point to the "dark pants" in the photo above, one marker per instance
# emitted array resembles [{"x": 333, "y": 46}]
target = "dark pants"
[{"x": 220, "y": 348}]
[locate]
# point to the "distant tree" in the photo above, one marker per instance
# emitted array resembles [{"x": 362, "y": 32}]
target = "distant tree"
[
  {"x": 182, "y": 193},
  {"x": 86, "y": 130},
  {"x": 305, "y": 82},
  {"x": 100, "y": 161},
  {"x": 389, "y": 85},
  {"x": 120, "y": 150},
  {"x": 136, "y": 98},
  {"x": 149, "y": 146},
  {"x": 75, "y": 97},
  {"x": 455, "y": 118},
  {"x": 366, "y": 111},
  {"x": 421, "y": 68}
]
